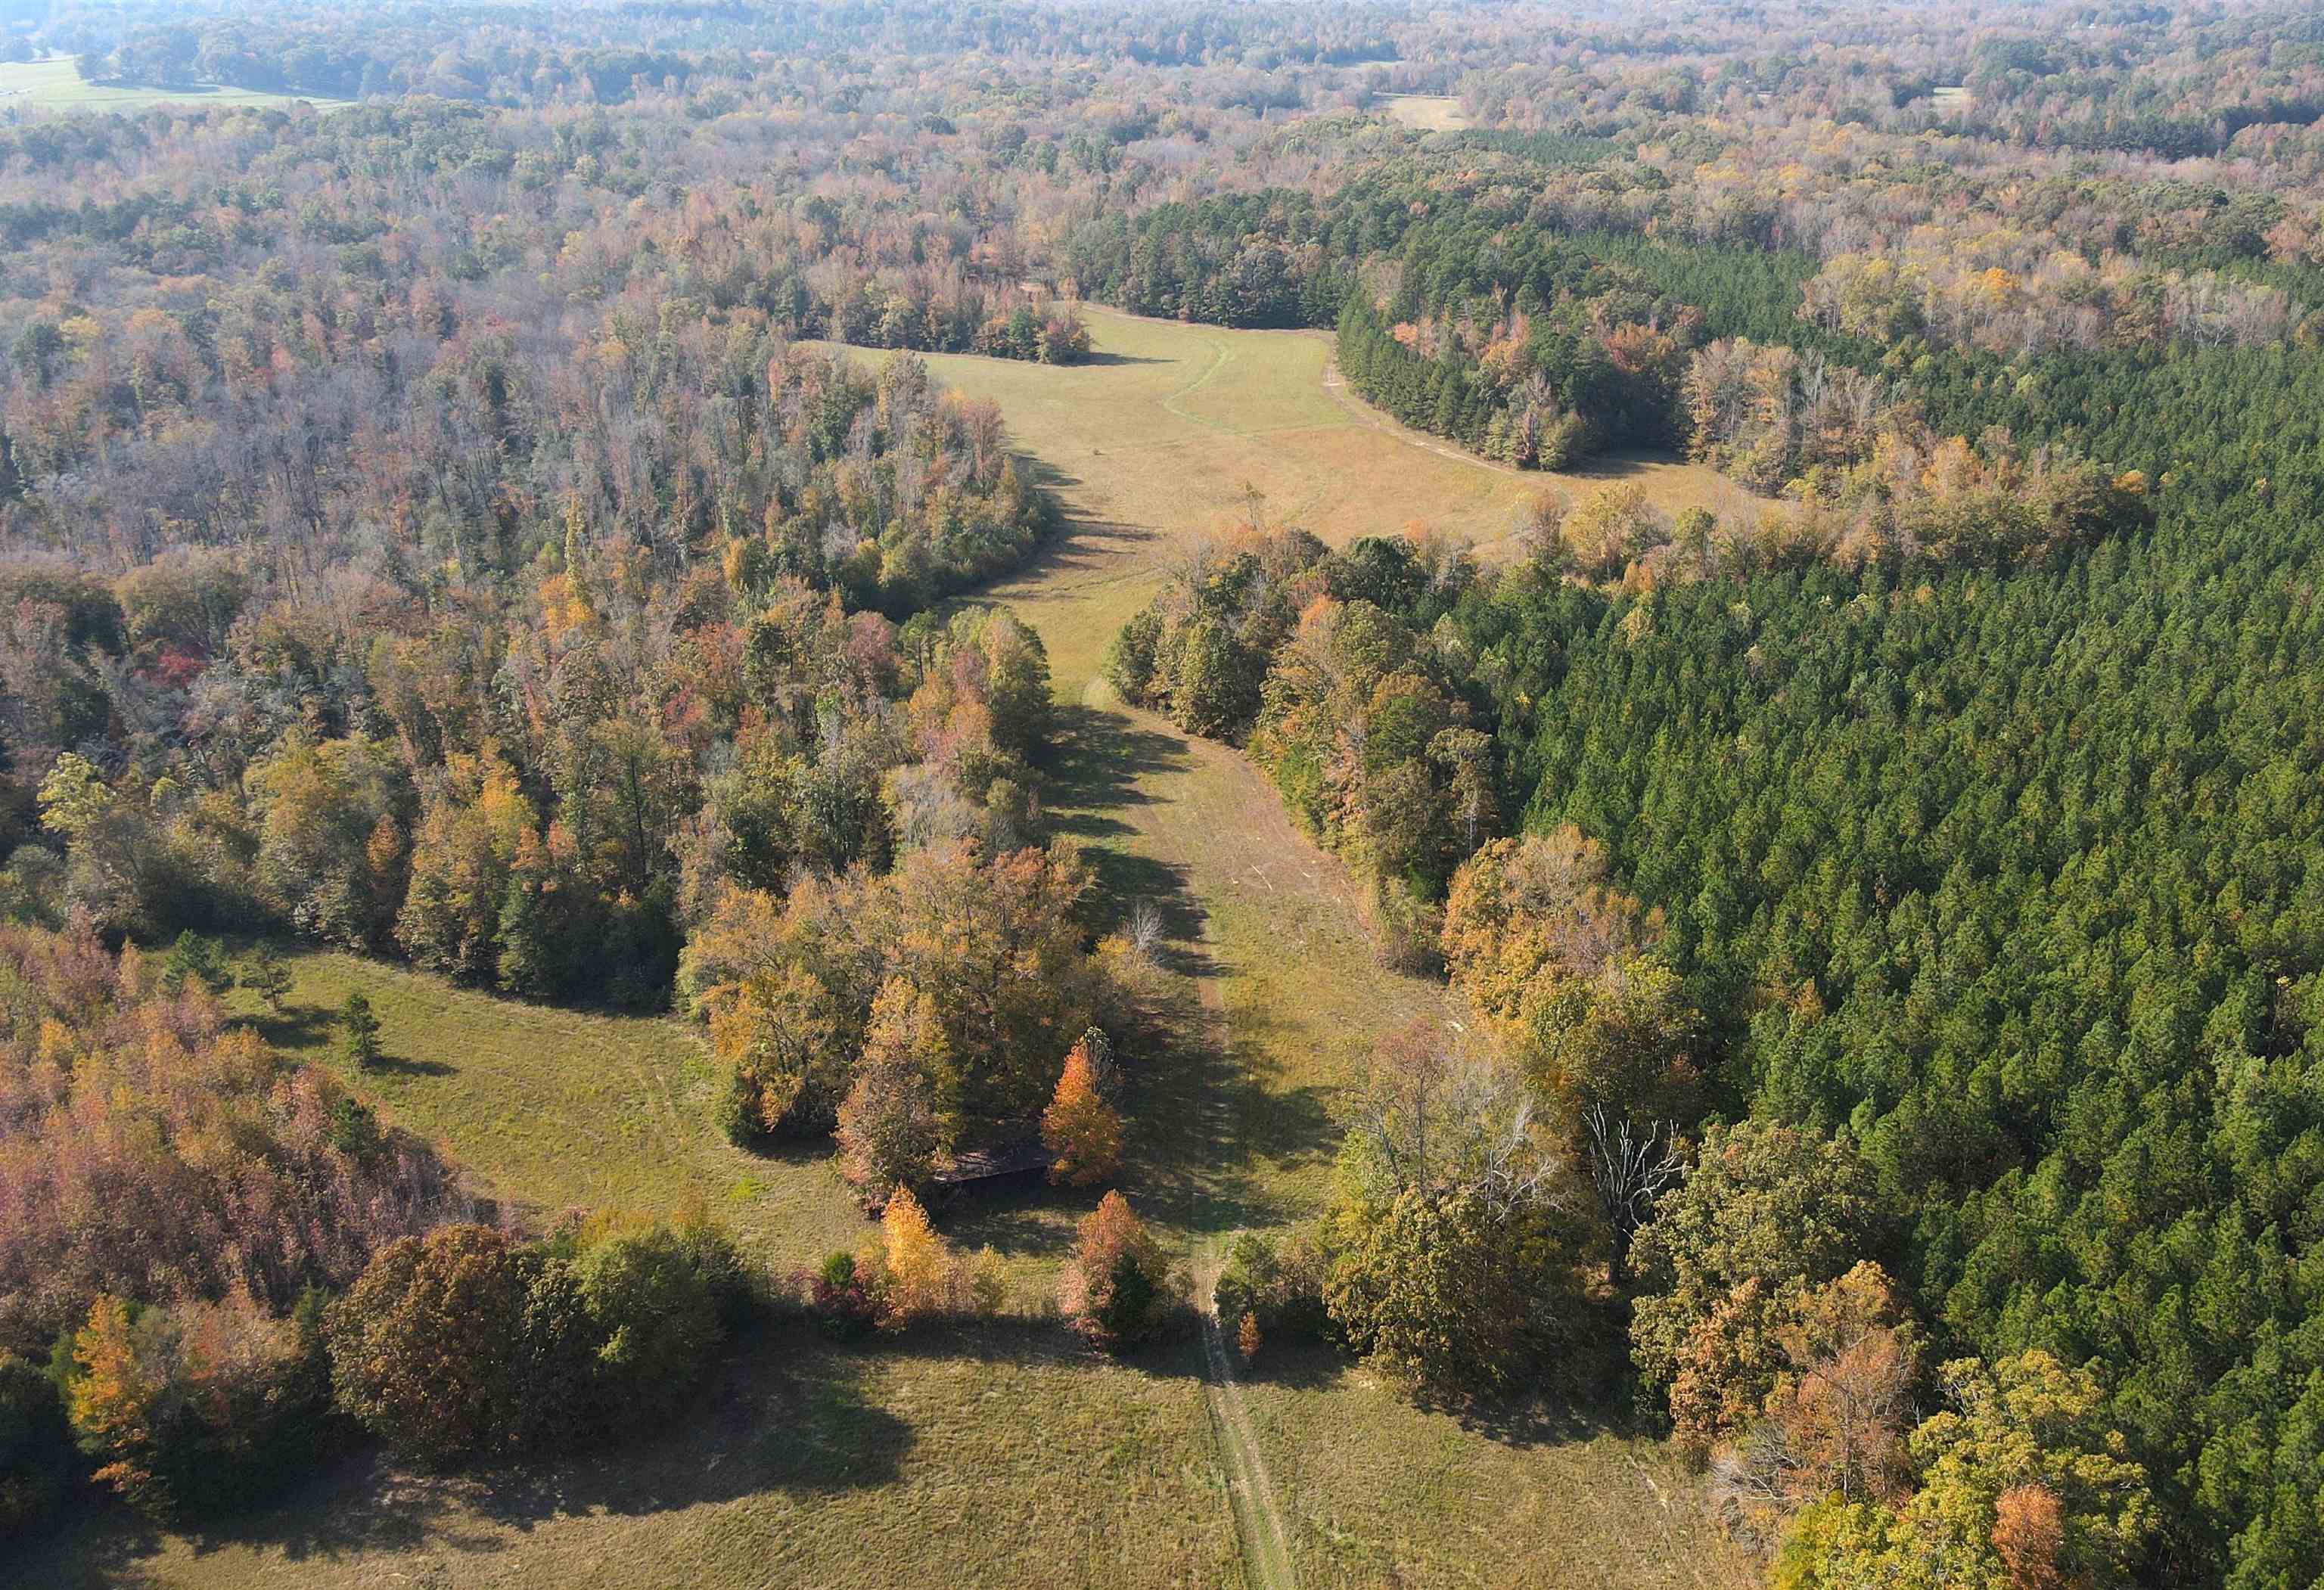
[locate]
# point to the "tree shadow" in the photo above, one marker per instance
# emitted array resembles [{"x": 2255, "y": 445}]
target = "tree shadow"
[
  {"x": 1101, "y": 357},
  {"x": 781, "y": 1413},
  {"x": 1096, "y": 758},
  {"x": 1542, "y": 1421},
  {"x": 396, "y": 1065},
  {"x": 294, "y": 1026},
  {"x": 1175, "y": 1352},
  {"x": 1299, "y": 1364}
]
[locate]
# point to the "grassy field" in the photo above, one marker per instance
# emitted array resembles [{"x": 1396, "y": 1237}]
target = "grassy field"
[
  {"x": 1386, "y": 1493},
  {"x": 56, "y": 84},
  {"x": 999, "y": 1456},
  {"x": 1162, "y": 436},
  {"x": 1431, "y": 112},
  {"x": 552, "y": 1109},
  {"x": 1008, "y": 1453}
]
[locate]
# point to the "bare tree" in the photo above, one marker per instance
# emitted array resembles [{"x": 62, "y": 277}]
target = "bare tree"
[
  {"x": 1630, "y": 1172},
  {"x": 1440, "y": 1119}
]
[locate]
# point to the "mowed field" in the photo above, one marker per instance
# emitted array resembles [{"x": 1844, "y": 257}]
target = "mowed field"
[
  {"x": 56, "y": 84},
  {"x": 1007, "y": 1453}
]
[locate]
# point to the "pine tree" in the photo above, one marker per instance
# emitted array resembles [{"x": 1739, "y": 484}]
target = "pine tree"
[
  {"x": 267, "y": 976},
  {"x": 358, "y": 1032}
]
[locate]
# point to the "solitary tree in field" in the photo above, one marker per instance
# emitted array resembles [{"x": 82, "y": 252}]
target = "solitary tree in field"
[
  {"x": 267, "y": 976},
  {"x": 358, "y": 1032},
  {"x": 1081, "y": 1131}
]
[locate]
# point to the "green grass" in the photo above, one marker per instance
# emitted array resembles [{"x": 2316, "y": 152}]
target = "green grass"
[
  {"x": 1156, "y": 440},
  {"x": 1382, "y": 1493},
  {"x": 552, "y": 1109},
  {"x": 56, "y": 84}
]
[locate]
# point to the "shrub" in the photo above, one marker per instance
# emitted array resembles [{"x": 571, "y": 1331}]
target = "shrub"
[
  {"x": 1278, "y": 1280},
  {"x": 988, "y": 1282},
  {"x": 654, "y": 1306},
  {"x": 1453, "y": 1294},
  {"x": 845, "y": 1307},
  {"x": 1116, "y": 1280}
]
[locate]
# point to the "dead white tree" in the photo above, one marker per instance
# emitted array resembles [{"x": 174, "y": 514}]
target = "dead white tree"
[{"x": 1630, "y": 1171}]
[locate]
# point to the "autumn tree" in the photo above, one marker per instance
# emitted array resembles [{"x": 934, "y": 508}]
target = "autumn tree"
[
  {"x": 196, "y": 1407},
  {"x": 921, "y": 1273},
  {"x": 2023, "y": 1483},
  {"x": 424, "y": 1347},
  {"x": 895, "y": 1123},
  {"x": 1837, "y": 1420},
  {"x": 1540, "y": 907},
  {"x": 1081, "y": 1131},
  {"x": 1768, "y": 1210},
  {"x": 1117, "y": 1277}
]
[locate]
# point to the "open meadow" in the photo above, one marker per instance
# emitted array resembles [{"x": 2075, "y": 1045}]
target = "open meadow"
[
  {"x": 56, "y": 84},
  {"x": 1163, "y": 436}
]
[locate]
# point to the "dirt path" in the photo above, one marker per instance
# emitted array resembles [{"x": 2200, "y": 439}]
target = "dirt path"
[
  {"x": 1258, "y": 1518},
  {"x": 1267, "y": 1557}
]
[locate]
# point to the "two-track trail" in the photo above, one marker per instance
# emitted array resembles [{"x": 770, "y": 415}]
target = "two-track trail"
[{"x": 1288, "y": 999}]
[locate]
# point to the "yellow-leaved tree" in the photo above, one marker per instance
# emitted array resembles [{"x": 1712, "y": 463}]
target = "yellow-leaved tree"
[{"x": 922, "y": 1276}]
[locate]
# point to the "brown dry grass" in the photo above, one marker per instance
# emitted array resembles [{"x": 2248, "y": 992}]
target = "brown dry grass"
[{"x": 1430, "y": 113}]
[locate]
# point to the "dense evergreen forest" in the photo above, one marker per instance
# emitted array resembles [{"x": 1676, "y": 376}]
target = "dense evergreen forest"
[{"x": 435, "y": 528}]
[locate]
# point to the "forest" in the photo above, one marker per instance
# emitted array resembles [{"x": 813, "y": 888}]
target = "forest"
[{"x": 525, "y": 522}]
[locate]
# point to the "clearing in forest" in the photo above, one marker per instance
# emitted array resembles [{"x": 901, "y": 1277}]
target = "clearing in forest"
[
  {"x": 1163, "y": 435},
  {"x": 1431, "y": 112},
  {"x": 1004, "y": 1452},
  {"x": 56, "y": 84}
]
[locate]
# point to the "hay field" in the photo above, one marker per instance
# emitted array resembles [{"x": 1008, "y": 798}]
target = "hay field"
[{"x": 1165, "y": 434}]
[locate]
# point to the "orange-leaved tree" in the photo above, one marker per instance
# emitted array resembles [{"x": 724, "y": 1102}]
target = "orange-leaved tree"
[
  {"x": 1113, "y": 1287},
  {"x": 1081, "y": 1131}
]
